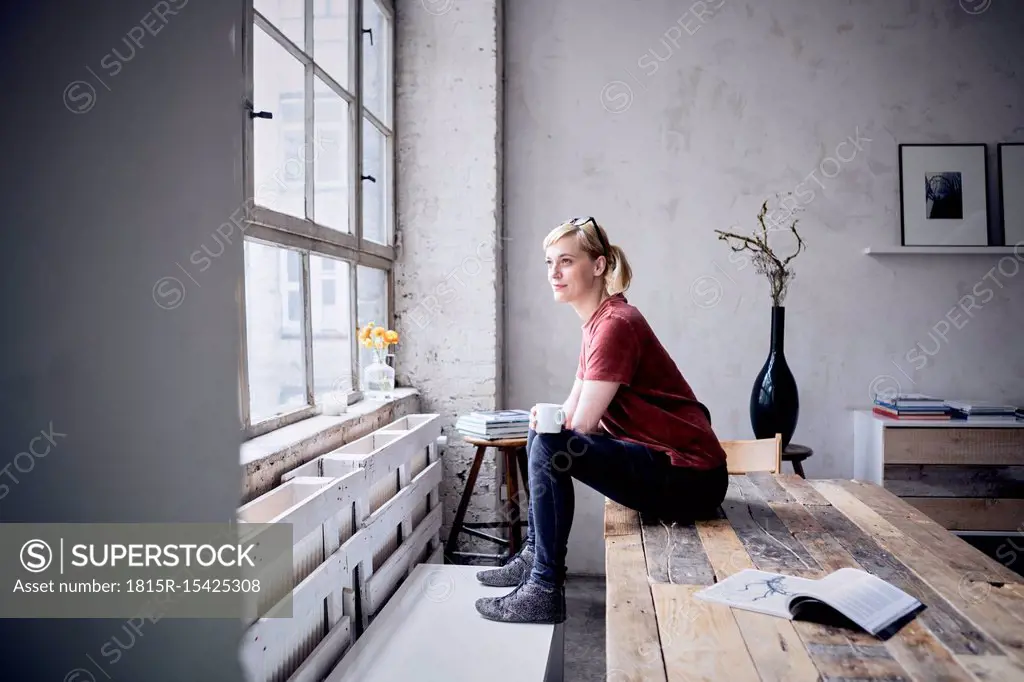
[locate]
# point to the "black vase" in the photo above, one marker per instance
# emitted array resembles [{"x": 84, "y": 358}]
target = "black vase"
[{"x": 774, "y": 401}]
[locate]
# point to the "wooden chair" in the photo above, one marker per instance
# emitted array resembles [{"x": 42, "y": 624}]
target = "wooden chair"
[{"x": 744, "y": 456}]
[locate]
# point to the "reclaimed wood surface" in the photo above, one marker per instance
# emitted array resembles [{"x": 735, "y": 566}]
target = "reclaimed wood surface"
[
  {"x": 674, "y": 554},
  {"x": 632, "y": 644},
  {"x": 972, "y": 629}
]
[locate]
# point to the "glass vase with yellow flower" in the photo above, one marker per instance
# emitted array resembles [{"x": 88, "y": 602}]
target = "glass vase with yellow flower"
[{"x": 378, "y": 376}]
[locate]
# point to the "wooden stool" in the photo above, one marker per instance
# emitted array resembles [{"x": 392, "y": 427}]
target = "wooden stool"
[
  {"x": 796, "y": 454},
  {"x": 514, "y": 451}
]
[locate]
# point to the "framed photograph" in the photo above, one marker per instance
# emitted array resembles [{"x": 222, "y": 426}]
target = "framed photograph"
[
  {"x": 943, "y": 195},
  {"x": 1011, "y": 190}
]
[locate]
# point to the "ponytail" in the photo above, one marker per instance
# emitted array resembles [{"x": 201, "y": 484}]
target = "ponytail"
[{"x": 617, "y": 273}]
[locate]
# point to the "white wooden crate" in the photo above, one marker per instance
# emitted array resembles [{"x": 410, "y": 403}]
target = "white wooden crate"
[
  {"x": 363, "y": 516},
  {"x": 301, "y": 502}
]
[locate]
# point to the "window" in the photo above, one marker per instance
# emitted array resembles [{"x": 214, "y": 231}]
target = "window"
[
  {"x": 377, "y": 63},
  {"x": 377, "y": 135},
  {"x": 372, "y": 304},
  {"x": 319, "y": 168},
  {"x": 332, "y": 311},
  {"x": 276, "y": 365},
  {"x": 329, "y": 287}
]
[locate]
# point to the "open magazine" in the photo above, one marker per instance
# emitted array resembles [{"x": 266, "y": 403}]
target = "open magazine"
[{"x": 855, "y": 595}]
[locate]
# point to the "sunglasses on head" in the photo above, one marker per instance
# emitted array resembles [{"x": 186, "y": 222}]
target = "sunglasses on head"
[{"x": 580, "y": 222}]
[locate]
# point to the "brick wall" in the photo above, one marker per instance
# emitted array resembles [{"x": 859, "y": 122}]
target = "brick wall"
[{"x": 448, "y": 281}]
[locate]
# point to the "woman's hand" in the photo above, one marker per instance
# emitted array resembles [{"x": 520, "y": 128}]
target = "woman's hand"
[
  {"x": 533, "y": 418},
  {"x": 568, "y": 416}
]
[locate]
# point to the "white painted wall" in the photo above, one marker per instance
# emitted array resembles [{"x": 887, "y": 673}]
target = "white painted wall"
[
  {"x": 118, "y": 166},
  {"x": 745, "y": 103}
]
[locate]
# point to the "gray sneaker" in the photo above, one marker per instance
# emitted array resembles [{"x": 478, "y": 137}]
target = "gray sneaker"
[
  {"x": 529, "y": 603},
  {"x": 511, "y": 574}
]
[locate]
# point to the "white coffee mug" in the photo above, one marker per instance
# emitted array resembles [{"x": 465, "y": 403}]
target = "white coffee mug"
[{"x": 550, "y": 417}]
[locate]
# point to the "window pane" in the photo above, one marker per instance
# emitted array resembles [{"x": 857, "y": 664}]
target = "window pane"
[
  {"x": 294, "y": 266},
  {"x": 372, "y": 304},
  {"x": 332, "y": 330},
  {"x": 375, "y": 194},
  {"x": 330, "y": 38},
  {"x": 330, "y": 289},
  {"x": 292, "y": 174},
  {"x": 294, "y": 307},
  {"x": 286, "y": 15},
  {"x": 376, "y": 79},
  {"x": 293, "y": 107},
  {"x": 330, "y": 158},
  {"x": 277, "y": 374},
  {"x": 279, "y": 164}
]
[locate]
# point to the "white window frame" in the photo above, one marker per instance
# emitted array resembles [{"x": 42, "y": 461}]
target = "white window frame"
[{"x": 280, "y": 229}]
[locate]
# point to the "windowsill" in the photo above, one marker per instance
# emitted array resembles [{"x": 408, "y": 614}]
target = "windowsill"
[
  {"x": 264, "y": 459},
  {"x": 311, "y": 432}
]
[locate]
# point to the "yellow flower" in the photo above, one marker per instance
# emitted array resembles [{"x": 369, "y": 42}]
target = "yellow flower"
[
  {"x": 367, "y": 342},
  {"x": 378, "y": 332},
  {"x": 391, "y": 336}
]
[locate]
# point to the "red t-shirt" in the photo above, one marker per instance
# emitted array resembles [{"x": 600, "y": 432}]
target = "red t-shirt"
[{"x": 654, "y": 406}]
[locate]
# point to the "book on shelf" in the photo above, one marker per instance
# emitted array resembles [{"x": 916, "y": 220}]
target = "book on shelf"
[
  {"x": 911, "y": 406},
  {"x": 844, "y": 597},
  {"x": 909, "y": 400},
  {"x": 968, "y": 409},
  {"x": 910, "y": 414}
]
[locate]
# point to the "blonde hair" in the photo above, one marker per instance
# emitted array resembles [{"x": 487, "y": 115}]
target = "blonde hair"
[{"x": 592, "y": 239}]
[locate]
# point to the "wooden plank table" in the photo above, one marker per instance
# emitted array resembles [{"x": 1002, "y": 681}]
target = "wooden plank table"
[{"x": 972, "y": 629}]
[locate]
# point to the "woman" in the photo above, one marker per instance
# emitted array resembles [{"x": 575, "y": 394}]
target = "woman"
[{"x": 633, "y": 430}]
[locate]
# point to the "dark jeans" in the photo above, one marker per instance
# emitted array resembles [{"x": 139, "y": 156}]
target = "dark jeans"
[{"x": 630, "y": 474}]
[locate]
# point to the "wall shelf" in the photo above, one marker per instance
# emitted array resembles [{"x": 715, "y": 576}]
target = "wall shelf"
[{"x": 941, "y": 250}]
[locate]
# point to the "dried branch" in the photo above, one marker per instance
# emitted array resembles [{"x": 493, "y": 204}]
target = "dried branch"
[{"x": 765, "y": 261}]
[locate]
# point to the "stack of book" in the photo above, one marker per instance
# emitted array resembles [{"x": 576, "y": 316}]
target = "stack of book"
[
  {"x": 971, "y": 409},
  {"x": 911, "y": 406},
  {"x": 495, "y": 425}
]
